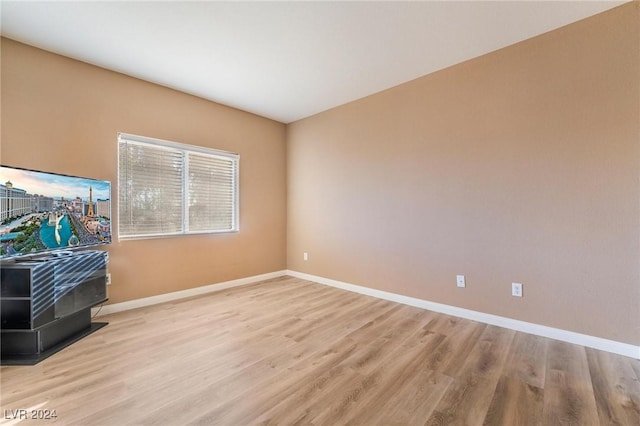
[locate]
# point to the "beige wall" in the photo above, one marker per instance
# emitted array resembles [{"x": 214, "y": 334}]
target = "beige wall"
[
  {"x": 521, "y": 165},
  {"x": 63, "y": 116}
]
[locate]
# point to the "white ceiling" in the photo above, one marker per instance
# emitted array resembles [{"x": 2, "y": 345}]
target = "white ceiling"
[{"x": 284, "y": 60}]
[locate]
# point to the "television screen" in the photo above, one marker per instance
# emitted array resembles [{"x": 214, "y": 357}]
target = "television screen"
[{"x": 42, "y": 211}]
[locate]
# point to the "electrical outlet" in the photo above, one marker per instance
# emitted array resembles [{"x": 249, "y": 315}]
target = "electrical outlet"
[
  {"x": 516, "y": 289},
  {"x": 305, "y": 256},
  {"x": 108, "y": 279},
  {"x": 460, "y": 281}
]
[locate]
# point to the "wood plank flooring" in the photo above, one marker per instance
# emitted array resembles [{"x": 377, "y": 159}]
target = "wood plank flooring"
[{"x": 288, "y": 351}]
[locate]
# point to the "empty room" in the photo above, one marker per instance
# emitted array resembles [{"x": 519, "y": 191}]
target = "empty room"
[{"x": 320, "y": 213}]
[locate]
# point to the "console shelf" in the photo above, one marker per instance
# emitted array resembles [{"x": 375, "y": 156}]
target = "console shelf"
[{"x": 45, "y": 304}]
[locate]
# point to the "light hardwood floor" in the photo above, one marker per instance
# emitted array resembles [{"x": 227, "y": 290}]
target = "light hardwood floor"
[{"x": 288, "y": 351}]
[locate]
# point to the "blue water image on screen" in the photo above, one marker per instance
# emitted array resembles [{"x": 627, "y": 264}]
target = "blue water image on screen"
[{"x": 42, "y": 211}]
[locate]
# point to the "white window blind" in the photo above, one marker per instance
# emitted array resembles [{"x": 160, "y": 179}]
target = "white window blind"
[
  {"x": 211, "y": 192},
  {"x": 167, "y": 188}
]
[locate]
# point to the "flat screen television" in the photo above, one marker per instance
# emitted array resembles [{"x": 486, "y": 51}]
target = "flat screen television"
[{"x": 43, "y": 212}]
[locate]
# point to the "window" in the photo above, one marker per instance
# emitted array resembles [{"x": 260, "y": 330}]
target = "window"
[{"x": 166, "y": 188}]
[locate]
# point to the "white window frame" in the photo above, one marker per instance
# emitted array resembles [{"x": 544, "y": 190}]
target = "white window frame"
[{"x": 185, "y": 150}]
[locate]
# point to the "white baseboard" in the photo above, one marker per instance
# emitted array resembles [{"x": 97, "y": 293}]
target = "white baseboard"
[
  {"x": 513, "y": 324},
  {"x": 168, "y": 297}
]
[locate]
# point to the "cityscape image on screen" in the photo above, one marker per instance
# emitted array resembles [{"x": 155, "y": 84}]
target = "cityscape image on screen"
[{"x": 42, "y": 211}]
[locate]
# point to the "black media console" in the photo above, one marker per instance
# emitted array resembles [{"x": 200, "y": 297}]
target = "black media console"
[{"x": 45, "y": 303}]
